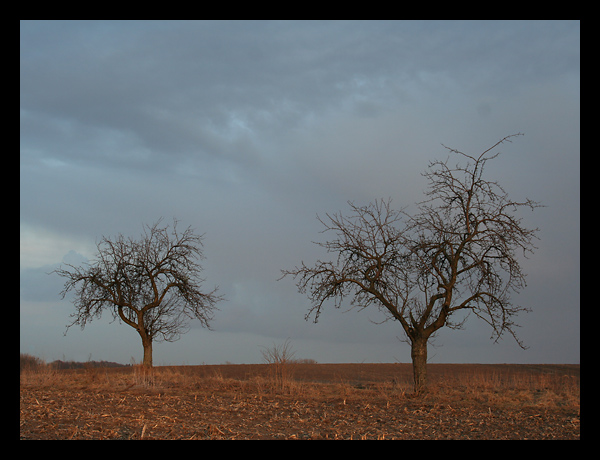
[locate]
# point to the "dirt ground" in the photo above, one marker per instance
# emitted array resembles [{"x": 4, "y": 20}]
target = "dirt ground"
[{"x": 314, "y": 401}]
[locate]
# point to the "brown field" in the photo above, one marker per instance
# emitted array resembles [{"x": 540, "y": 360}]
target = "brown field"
[{"x": 301, "y": 401}]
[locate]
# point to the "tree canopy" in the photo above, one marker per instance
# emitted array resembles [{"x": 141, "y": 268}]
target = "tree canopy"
[{"x": 152, "y": 284}]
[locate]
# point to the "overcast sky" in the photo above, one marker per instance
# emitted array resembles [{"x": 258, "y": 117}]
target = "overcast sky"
[{"x": 247, "y": 130}]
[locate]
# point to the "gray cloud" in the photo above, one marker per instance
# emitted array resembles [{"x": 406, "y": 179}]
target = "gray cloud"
[{"x": 246, "y": 130}]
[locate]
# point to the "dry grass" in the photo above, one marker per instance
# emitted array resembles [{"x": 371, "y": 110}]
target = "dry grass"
[{"x": 333, "y": 401}]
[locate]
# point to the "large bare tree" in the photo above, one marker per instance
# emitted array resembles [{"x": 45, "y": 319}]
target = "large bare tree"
[
  {"x": 458, "y": 254},
  {"x": 151, "y": 284}
]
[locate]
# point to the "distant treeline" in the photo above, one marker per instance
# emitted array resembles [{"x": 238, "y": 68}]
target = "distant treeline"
[
  {"x": 58, "y": 364},
  {"x": 29, "y": 362}
]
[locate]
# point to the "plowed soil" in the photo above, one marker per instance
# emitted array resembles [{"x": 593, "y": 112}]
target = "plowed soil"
[{"x": 313, "y": 401}]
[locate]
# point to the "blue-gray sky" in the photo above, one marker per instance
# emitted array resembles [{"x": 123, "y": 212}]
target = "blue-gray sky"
[{"x": 247, "y": 130}]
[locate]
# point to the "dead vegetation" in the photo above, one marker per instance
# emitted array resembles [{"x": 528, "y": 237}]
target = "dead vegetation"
[{"x": 317, "y": 401}]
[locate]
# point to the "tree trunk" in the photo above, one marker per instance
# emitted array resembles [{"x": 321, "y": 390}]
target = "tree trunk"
[
  {"x": 419, "y": 358},
  {"x": 147, "y": 343}
]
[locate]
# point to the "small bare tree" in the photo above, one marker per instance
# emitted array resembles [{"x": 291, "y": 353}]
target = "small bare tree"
[
  {"x": 280, "y": 359},
  {"x": 457, "y": 254},
  {"x": 151, "y": 284}
]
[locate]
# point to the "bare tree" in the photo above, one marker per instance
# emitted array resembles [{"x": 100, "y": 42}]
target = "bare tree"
[
  {"x": 457, "y": 254},
  {"x": 151, "y": 284}
]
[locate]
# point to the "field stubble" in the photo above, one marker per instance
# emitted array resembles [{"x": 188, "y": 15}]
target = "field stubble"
[{"x": 316, "y": 401}]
